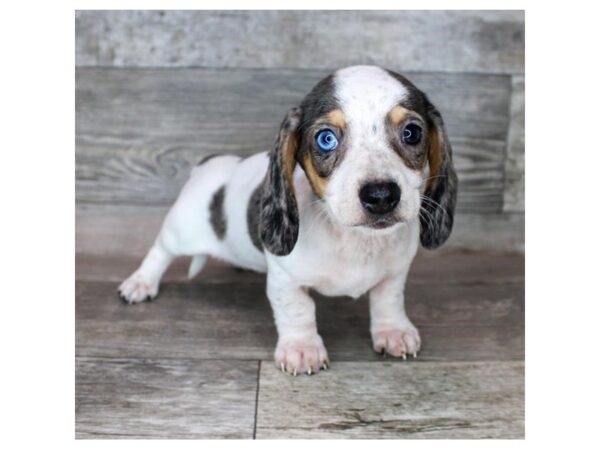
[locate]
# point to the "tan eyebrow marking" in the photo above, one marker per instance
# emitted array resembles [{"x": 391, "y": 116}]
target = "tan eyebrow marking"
[
  {"x": 335, "y": 117},
  {"x": 397, "y": 114}
]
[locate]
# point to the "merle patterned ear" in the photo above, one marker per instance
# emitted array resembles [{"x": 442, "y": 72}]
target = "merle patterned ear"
[
  {"x": 279, "y": 211},
  {"x": 437, "y": 206}
]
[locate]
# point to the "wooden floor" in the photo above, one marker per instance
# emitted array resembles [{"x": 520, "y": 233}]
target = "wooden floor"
[{"x": 197, "y": 362}]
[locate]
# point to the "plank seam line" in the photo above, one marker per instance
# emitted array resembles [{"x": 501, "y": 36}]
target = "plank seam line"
[
  {"x": 507, "y": 145},
  {"x": 305, "y": 70},
  {"x": 84, "y": 355},
  {"x": 256, "y": 400}
]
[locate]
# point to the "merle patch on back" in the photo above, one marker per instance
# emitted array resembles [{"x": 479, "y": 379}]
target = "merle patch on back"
[{"x": 218, "y": 220}]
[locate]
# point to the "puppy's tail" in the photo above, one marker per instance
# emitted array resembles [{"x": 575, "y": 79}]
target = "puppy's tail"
[{"x": 197, "y": 264}]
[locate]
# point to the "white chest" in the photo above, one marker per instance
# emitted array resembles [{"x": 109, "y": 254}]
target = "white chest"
[{"x": 349, "y": 263}]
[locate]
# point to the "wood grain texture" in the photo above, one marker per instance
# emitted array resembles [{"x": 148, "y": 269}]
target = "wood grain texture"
[
  {"x": 164, "y": 398},
  {"x": 487, "y": 232},
  {"x": 128, "y": 231},
  {"x": 459, "y": 41},
  {"x": 514, "y": 190},
  {"x": 139, "y": 131},
  {"x": 428, "y": 268},
  {"x": 156, "y": 91},
  {"x": 207, "y": 318},
  {"x": 185, "y": 365},
  {"x": 413, "y": 400}
]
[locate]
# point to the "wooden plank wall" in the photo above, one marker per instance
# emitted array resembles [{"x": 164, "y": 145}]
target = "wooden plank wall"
[{"x": 156, "y": 91}]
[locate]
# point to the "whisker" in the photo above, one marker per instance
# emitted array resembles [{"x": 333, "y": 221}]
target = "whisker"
[
  {"x": 434, "y": 203},
  {"x": 429, "y": 221},
  {"x": 434, "y": 176}
]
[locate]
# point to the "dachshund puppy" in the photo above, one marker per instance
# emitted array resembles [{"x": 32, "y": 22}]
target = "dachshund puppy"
[{"x": 360, "y": 173}]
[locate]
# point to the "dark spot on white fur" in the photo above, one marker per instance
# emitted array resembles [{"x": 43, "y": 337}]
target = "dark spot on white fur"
[
  {"x": 253, "y": 217},
  {"x": 217, "y": 213}
]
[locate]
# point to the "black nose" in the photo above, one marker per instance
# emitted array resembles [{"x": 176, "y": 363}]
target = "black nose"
[{"x": 379, "y": 198}]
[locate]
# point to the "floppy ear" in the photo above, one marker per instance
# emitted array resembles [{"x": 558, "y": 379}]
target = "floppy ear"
[
  {"x": 440, "y": 191},
  {"x": 279, "y": 211}
]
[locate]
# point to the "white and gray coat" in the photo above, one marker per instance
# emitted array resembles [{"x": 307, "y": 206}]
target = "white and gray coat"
[{"x": 345, "y": 222}]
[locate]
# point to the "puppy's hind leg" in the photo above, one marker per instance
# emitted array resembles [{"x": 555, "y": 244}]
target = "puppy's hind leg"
[
  {"x": 186, "y": 231},
  {"x": 144, "y": 282}
]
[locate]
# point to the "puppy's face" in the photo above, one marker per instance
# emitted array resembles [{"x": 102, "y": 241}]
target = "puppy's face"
[
  {"x": 364, "y": 138},
  {"x": 367, "y": 140}
]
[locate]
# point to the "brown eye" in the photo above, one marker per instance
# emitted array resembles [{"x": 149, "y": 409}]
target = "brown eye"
[{"x": 411, "y": 134}]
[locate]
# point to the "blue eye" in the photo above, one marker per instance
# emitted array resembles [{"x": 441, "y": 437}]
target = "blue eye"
[{"x": 326, "y": 141}]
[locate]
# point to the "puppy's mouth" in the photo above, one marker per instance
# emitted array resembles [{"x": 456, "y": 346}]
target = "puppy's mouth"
[{"x": 380, "y": 222}]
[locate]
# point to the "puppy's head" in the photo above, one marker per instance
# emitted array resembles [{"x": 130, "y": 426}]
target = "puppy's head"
[{"x": 374, "y": 150}]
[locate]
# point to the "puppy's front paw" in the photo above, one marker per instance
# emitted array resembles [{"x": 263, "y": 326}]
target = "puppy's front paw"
[
  {"x": 305, "y": 355},
  {"x": 397, "y": 341},
  {"x": 137, "y": 288}
]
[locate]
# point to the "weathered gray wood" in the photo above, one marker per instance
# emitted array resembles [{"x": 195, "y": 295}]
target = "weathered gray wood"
[
  {"x": 429, "y": 268},
  {"x": 474, "y": 41},
  {"x": 164, "y": 398},
  {"x": 198, "y": 320},
  {"x": 514, "y": 190},
  {"x": 184, "y": 366},
  {"x": 227, "y": 315},
  {"x": 413, "y": 400},
  {"x": 129, "y": 230},
  {"x": 487, "y": 232},
  {"x": 88, "y": 25},
  {"x": 159, "y": 105},
  {"x": 117, "y": 230},
  {"x": 139, "y": 131}
]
